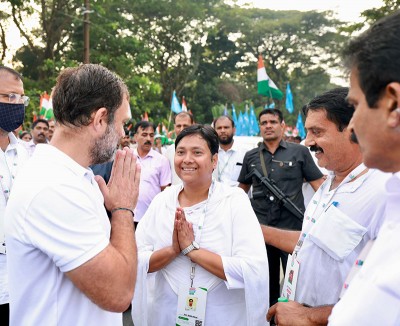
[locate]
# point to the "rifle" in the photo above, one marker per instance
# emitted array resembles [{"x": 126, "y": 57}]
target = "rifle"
[{"x": 274, "y": 193}]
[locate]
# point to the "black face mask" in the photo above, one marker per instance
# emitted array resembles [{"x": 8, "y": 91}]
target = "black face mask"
[{"x": 11, "y": 116}]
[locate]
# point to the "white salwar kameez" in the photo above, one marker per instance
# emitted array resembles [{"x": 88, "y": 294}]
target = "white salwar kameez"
[{"x": 230, "y": 230}]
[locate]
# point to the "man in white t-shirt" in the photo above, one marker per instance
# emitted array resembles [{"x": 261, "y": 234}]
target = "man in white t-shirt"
[
  {"x": 13, "y": 156},
  {"x": 373, "y": 59},
  {"x": 342, "y": 217},
  {"x": 230, "y": 157},
  {"x": 68, "y": 265}
]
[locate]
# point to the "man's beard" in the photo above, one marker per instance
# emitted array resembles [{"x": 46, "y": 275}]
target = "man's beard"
[
  {"x": 103, "y": 149},
  {"x": 226, "y": 141}
]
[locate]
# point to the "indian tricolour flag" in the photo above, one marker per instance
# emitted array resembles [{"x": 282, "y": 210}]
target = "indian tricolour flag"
[{"x": 266, "y": 86}]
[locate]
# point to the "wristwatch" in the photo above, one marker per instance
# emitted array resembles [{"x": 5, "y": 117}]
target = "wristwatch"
[{"x": 193, "y": 246}]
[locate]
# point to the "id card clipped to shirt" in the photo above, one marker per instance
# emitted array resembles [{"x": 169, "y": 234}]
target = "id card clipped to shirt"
[
  {"x": 191, "y": 306},
  {"x": 292, "y": 272}
]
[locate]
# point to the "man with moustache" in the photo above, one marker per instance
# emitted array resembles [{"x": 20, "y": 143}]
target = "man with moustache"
[
  {"x": 126, "y": 140},
  {"x": 373, "y": 59},
  {"x": 13, "y": 156},
  {"x": 67, "y": 264},
  {"x": 230, "y": 158},
  {"x": 288, "y": 164},
  {"x": 39, "y": 132},
  {"x": 342, "y": 217},
  {"x": 156, "y": 172}
]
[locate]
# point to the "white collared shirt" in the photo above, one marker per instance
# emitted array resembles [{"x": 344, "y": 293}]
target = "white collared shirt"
[
  {"x": 373, "y": 296},
  {"x": 229, "y": 165},
  {"x": 10, "y": 162},
  {"x": 323, "y": 269}
]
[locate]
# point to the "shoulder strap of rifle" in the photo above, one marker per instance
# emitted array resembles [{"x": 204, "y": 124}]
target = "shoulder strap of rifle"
[{"x": 263, "y": 167}]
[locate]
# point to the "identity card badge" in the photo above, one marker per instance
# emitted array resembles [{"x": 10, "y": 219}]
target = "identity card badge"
[
  {"x": 191, "y": 306},
  {"x": 292, "y": 272}
]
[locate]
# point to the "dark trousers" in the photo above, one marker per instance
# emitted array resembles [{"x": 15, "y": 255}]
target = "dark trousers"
[
  {"x": 275, "y": 256},
  {"x": 5, "y": 314}
]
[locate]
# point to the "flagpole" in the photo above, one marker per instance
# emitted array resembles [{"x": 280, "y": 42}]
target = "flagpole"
[
  {"x": 270, "y": 93},
  {"x": 169, "y": 119}
]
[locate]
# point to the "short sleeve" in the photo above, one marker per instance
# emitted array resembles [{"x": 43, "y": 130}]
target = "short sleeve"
[
  {"x": 165, "y": 172},
  {"x": 245, "y": 171},
  {"x": 72, "y": 230}
]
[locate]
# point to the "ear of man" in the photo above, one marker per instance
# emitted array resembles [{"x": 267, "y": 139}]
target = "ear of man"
[
  {"x": 100, "y": 120},
  {"x": 392, "y": 101}
]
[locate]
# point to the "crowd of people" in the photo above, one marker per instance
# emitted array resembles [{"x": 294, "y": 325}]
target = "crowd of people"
[{"x": 92, "y": 222}]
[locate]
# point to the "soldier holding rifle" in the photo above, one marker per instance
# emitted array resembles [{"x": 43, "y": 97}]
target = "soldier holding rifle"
[{"x": 287, "y": 164}]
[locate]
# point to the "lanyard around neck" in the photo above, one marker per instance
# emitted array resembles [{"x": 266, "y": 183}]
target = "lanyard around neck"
[
  {"x": 200, "y": 230},
  {"x": 221, "y": 171},
  {"x": 359, "y": 170}
]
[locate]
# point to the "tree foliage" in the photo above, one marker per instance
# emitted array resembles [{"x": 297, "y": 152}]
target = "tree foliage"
[
  {"x": 372, "y": 15},
  {"x": 203, "y": 49}
]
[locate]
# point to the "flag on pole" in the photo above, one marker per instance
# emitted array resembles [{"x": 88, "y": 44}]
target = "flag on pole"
[
  {"x": 184, "y": 106},
  {"x": 266, "y": 86},
  {"x": 234, "y": 116},
  {"x": 300, "y": 126},
  {"x": 254, "y": 128},
  {"x": 239, "y": 125},
  {"x": 246, "y": 122},
  {"x": 289, "y": 99},
  {"x": 46, "y": 107},
  {"x": 145, "y": 117},
  {"x": 175, "y": 106}
]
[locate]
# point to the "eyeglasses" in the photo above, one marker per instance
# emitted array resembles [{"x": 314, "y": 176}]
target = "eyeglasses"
[{"x": 16, "y": 98}]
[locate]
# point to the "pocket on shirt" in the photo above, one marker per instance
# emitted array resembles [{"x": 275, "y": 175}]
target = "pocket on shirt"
[
  {"x": 336, "y": 233},
  {"x": 236, "y": 171}
]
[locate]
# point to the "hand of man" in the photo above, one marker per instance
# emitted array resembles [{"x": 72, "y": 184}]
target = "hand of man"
[
  {"x": 295, "y": 314},
  {"x": 288, "y": 314},
  {"x": 123, "y": 188}
]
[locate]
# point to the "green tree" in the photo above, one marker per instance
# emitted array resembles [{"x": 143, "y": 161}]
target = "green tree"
[
  {"x": 372, "y": 15},
  {"x": 205, "y": 50}
]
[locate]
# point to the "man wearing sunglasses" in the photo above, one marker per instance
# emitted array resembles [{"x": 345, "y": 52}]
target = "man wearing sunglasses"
[{"x": 12, "y": 112}]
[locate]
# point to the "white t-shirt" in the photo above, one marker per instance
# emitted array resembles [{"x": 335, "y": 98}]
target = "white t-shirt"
[
  {"x": 337, "y": 225},
  {"x": 373, "y": 295},
  {"x": 55, "y": 222},
  {"x": 10, "y": 163}
]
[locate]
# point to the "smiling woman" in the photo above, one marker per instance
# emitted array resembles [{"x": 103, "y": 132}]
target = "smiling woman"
[
  {"x": 207, "y": 237},
  {"x": 196, "y": 157}
]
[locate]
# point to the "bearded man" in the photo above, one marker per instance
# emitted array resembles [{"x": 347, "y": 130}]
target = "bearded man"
[{"x": 66, "y": 267}]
